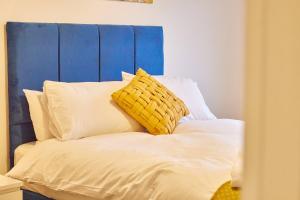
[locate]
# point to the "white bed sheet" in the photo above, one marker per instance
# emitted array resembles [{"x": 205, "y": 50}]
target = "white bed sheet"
[
  {"x": 22, "y": 150},
  {"x": 189, "y": 164}
]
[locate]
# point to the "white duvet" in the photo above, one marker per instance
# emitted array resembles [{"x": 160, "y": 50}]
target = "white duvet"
[{"x": 189, "y": 164}]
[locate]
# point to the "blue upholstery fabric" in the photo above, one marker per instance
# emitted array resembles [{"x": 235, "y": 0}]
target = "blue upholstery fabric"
[
  {"x": 32, "y": 53},
  {"x": 28, "y": 195},
  {"x": 79, "y": 53},
  {"x": 71, "y": 53},
  {"x": 116, "y": 42},
  {"x": 149, "y": 53}
]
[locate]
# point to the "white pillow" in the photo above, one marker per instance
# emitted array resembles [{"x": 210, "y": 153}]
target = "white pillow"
[
  {"x": 38, "y": 114},
  {"x": 188, "y": 91},
  {"x": 85, "y": 109}
]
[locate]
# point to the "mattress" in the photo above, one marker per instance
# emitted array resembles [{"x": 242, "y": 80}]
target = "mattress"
[
  {"x": 22, "y": 150},
  {"x": 190, "y": 164}
]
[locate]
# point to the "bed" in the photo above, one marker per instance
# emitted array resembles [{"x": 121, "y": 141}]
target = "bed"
[{"x": 91, "y": 53}]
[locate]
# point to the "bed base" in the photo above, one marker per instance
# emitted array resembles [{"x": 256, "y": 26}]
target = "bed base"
[{"x": 28, "y": 195}]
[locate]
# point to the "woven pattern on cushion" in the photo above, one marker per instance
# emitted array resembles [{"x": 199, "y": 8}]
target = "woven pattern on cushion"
[
  {"x": 226, "y": 192},
  {"x": 151, "y": 104}
]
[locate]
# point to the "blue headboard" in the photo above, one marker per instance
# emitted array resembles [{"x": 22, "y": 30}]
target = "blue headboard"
[{"x": 72, "y": 53}]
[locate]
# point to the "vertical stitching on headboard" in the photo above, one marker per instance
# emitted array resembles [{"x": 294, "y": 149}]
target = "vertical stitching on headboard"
[
  {"x": 99, "y": 54},
  {"x": 58, "y": 51},
  {"x": 134, "y": 50},
  {"x": 163, "y": 52}
]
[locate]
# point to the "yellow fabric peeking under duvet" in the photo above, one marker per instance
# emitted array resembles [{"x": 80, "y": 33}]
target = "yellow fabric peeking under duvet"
[{"x": 226, "y": 192}]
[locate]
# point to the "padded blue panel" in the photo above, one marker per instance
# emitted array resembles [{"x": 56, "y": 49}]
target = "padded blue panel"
[
  {"x": 79, "y": 53},
  {"x": 32, "y": 58},
  {"x": 116, "y": 42},
  {"x": 149, "y": 53}
]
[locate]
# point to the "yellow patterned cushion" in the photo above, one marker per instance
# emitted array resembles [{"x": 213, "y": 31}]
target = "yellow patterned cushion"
[
  {"x": 151, "y": 104},
  {"x": 226, "y": 192}
]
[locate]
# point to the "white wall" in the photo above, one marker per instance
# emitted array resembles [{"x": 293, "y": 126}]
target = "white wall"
[{"x": 203, "y": 40}]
